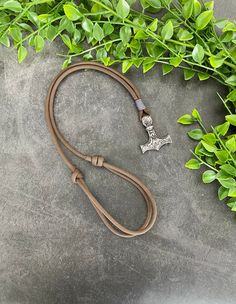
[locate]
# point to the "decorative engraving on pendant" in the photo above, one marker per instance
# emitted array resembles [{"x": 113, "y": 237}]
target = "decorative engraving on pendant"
[{"x": 154, "y": 142}]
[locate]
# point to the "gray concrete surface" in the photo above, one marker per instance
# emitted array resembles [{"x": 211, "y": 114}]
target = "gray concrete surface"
[{"x": 54, "y": 248}]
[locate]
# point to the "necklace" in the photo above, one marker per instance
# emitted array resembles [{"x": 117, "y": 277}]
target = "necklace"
[{"x": 59, "y": 141}]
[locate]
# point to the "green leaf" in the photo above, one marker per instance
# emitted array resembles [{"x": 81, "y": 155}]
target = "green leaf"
[
  {"x": 210, "y": 160},
  {"x": 77, "y": 36},
  {"x": 140, "y": 35},
  {"x": 154, "y": 3},
  {"x": 175, "y": 61},
  {"x": 223, "y": 175},
  {"x": 209, "y": 147},
  {"x": 203, "y": 76},
  {"x": 137, "y": 62},
  {"x": 232, "y": 192},
  {"x": 196, "y": 8},
  {"x": 44, "y": 18},
  {"x": 14, "y": 6},
  {"x": 232, "y": 95},
  {"x": 184, "y": 35},
  {"x": 66, "y": 63},
  {"x": 195, "y": 134},
  {"x": 198, "y": 149},
  {"x": 223, "y": 128},
  {"x": 5, "y": 40},
  {"x": 32, "y": 16},
  {"x": 222, "y": 155},
  {"x": 16, "y": 34},
  {"x": 87, "y": 25},
  {"x": 126, "y": 65},
  {"x": 220, "y": 23},
  {"x": 167, "y": 30},
  {"x": 144, "y": 4},
  {"x": 52, "y": 32},
  {"x": 153, "y": 50},
  {"x": 135, "y": 46},
  {"x": 166, "y": 68},
  {"x": 203, "y": 151},
  {"x": 208, "y": 176},
  {"x": 193, "y": 164},
  {"x": 188, "y": 74},
  {"x": 209, "y": 5},
  {"x": 67, "y": 41},
  {"x": 38, "y": 43},
  {"x": 198, "y": 53},
  {"x": 98, "y": 32},
  {"x": 230, "y": 26},
  {"x": 22, "y": 53},
  {"x": 216, "y": 61},
  {"x": 153, "y": 25},
  {"x": 222, "y": 193},
  {"x": 231, "y": 80},
  {"x": 226, "y": 37},
  {"x": 106, "y": 61},
  {"x": 64, "y": 23},
  {"x": 209, "y": 138},
  {"x": 231, "y": 144},
  {"x": 122, "y": 9},
  {"x": 125, "y": 34},
  {"x": 97, "y": 8},
  {"x": 108, "y": 29},
  {"x": 203, "y": 19},
  {"x": 148, "y": 64},
  {"x": 88, "y": 56},
  {"x": 188, "y": 9},
  {"x": 101, "y": 54},
  {"x": 232, "y": 204},
  {"x": 196, "y": 115},
  {"x": 186, "y": 120},
  {"x": 71, "y": 12},
  {"x": 229, "y": 169},
  {"x": 227, "y": 183},
  {"x": 231, "y": 119}
]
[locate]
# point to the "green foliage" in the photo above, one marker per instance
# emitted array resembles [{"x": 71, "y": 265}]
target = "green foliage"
[
  {"x": 167, "y": 30},
  {"x": 185, "y": 35},
  {"x": 198, "y": 53},
  {"x": 215, "y": 150},
  {"x": 203, "y": 19},
  {"x": 113, "y": 31}
]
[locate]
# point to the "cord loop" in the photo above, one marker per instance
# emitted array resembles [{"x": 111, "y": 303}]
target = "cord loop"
[{"x": 97, "y": 160}]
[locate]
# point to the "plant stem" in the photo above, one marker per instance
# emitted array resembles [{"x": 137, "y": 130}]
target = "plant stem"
[
  {"x": 38, "y": 30},
  {"x": 227, "y": 108},
  {"x": 223, "y": 145},
  {"x": 18, "y": 17},
  {"x": 203, "y": 162},
  {"x": 157, "y": 38},
  {"x": 91, "y": 49}
]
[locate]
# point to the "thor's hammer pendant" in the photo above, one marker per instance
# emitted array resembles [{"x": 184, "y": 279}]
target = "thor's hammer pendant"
[{"x": 154, "y": 142}]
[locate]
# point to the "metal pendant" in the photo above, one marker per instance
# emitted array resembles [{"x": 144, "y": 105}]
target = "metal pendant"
[{"x": 154, "y": 143}]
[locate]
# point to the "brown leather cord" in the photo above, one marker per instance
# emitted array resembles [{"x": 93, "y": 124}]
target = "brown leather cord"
[{"x": 96, "y": 160}]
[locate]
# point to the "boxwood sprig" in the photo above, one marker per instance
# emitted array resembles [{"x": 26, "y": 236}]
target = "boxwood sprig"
[{"x": 215, "y": 150}]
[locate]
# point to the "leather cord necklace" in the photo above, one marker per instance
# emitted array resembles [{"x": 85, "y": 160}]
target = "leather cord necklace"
[{"x": 98, "y": 161}]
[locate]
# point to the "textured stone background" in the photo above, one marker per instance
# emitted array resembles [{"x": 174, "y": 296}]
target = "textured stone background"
[{"x": 53, "y": 246}]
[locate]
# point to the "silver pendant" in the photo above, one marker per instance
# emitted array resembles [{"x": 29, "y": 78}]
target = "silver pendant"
[{"x": 154, "y": 142}]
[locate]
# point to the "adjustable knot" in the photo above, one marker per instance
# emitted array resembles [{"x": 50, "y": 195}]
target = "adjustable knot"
[
  {"x": 76, "y": 175},
  {"x": 97, "y": 160}
]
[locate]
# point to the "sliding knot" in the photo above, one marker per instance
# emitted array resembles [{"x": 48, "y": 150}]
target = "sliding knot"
[
  {"x": 97, "y": 160},
  {"x": 76, "y": 175}
]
